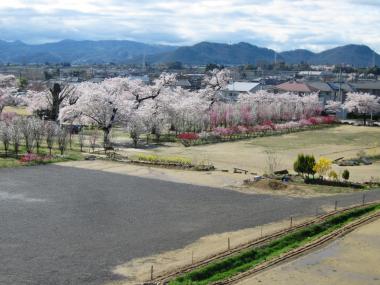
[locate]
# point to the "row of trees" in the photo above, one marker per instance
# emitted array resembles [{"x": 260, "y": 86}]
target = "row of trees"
[
  {"x": 161, "y": 106},
  {"x": 31, "y": 133}
]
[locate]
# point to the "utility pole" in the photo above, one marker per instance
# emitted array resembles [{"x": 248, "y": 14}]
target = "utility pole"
[{"x": 340, "y": 85}]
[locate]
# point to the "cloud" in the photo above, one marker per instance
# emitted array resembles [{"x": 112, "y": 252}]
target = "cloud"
[{"x": 278, "y": 24}]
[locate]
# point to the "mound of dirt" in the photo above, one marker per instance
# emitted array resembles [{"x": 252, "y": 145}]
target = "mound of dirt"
[{"x": 270, "y": 184}]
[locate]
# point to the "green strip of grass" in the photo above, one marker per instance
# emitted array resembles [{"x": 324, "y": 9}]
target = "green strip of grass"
[{"x": 246, "y": 260}]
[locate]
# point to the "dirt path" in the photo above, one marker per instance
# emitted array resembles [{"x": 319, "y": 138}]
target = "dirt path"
[{"x": 351, "y": 260}]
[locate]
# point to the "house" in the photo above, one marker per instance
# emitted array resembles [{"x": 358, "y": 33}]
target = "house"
[
  {"x": 300, "y": 88},
  {"x": 326, "y": 92},
  {"x": 234, "y": 89},
  {"x": 372, "y": 87},
  {"x": 183, "y": 83}
]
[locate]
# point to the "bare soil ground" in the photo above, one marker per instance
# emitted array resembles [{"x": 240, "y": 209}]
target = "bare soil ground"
[{"x": 351, "y": 260}]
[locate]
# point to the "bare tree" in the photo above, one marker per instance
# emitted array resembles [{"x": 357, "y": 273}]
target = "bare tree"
[
  {"x": 51, "y": 129},
  {"x": 93, "y": 139},
  {"x": 38, "y": 128},
  {"x": 81, "y": 139},
  {"x": 272, "y": 161},
  {"x": 16, "y": 134},
  {"x": 27, "y": 132},
  {"x": 62, "y": 139}
]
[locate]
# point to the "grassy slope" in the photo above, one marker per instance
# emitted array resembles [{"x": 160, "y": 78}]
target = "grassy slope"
[{"x": 246, "y": 260}]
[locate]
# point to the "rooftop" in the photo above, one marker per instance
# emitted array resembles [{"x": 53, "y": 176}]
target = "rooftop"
[{"x": 242, "y": 86}]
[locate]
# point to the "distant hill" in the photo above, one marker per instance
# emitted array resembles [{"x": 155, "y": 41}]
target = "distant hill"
[
  {"x": 356, "y": 55},
  {"x": 297, "y": 56},
  {"x": 244, "y": 53},
  {"x": 77, "y": 52},
  {"x": 206, "y": 52},
  {"x": 90, "y": 52}
]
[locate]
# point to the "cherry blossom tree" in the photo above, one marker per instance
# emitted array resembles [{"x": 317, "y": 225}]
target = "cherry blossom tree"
[
  {"x": 363, "y": 104},
  {"x": 7, "y": 91},
  {"x": 5, "y": 135},
  {"x": 48, "y": 102},
  {"x": 214, "y": 83},
  {"x": 112, "y": 101}
]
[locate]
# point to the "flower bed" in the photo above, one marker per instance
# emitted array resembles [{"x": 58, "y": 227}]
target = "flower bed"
[
  {"x": 267, "y": 128},
  {"x": 171, "y": 162},
  {"x": 32, "y": 158}
]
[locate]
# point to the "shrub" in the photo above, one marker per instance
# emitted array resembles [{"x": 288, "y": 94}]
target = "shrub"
[
  {"x": 270, "y": 124},
  {"x": 188, "y": 136},
  {"x": 346, "y": 175},
  {"x": 323, "y": 166},
  {"x": 333, "y": 175},
  {"x": 304, "y": 164},
  {"x": 328, "y": 120},
  {"x": 34, "y": 158}
]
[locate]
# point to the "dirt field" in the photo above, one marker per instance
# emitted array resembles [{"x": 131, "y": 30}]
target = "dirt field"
[
  {"x": 351, "y": 260},
  {"x": 138, "y": 270},
  {"x": 342, "y": 141}
]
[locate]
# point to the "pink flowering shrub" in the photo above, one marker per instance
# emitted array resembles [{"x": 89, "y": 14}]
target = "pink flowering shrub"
[
  {"x": 270, "y": 124},
  {"x": 328, "y": 120},
  {"x": 223, "y": 131},
  {"x": 188, "y": 136},
  {"x": 34, "y": 158}
]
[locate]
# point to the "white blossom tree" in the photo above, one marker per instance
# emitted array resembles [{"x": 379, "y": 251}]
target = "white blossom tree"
[
  {"x": 363, "y": 104},
  {"x": 5, "y": 135},
  {"x": 112, "y": 101},
  {"x": 7, "y": 91},
  {"x": 16, "y": 134},
  {"x": 48, "y": 102},
  {"x": 214, "y": 83}
]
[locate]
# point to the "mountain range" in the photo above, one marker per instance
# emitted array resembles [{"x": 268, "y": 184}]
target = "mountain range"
[
  {"x": 119, "y": 52},
  {"x": 77, "y": 52}
]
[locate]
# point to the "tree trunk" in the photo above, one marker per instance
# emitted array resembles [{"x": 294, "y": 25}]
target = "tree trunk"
[{"x": 106, "y": 137}]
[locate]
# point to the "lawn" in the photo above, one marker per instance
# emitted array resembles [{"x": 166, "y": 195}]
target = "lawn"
[{"x": 341, "y": 141}]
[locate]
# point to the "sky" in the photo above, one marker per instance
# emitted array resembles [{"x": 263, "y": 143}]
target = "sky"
[{"x": 277, "y": 24}]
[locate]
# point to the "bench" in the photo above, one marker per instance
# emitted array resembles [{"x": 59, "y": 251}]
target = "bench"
[{"x": 239, "y": 170}]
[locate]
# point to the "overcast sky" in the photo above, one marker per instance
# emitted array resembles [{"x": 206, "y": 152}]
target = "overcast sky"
[{"x": 277, "y": 24}]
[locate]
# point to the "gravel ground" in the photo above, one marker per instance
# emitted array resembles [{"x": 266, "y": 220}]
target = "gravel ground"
[{"x": 62, "y": 225}]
